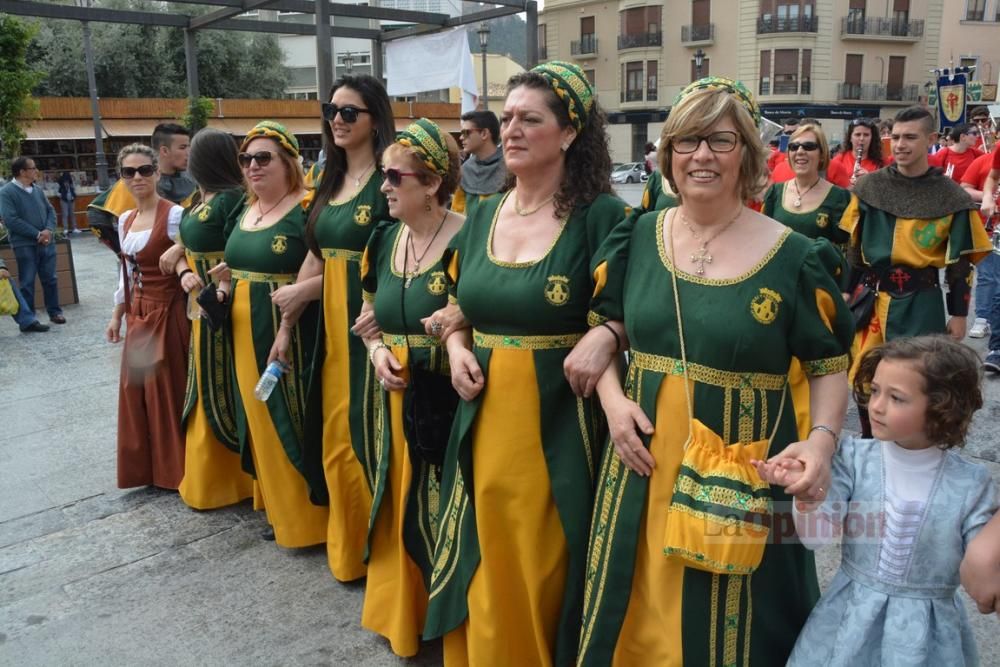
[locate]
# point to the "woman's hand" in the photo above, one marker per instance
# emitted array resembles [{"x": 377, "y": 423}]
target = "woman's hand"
[
  {"x": 445, "y": 322},
  {"x": 279, "y": 349},
  {"x": 288, "y": 299},
  {"x": 980, "y": 570},
  {"x": 113, "y": 332},
  {"x": 170, "y": 258},
  {"x": 588, "y": 359},
  {"x": 220, "y": 273},
  {"x": 466, "y": 375},
  {"x": 625, "y": 420},
  {"x": 191, "y": 281},
  {"x": 814, "y": 454},
  {"x": 387, "y": 369},
  {"x": 365, "y": 325}
]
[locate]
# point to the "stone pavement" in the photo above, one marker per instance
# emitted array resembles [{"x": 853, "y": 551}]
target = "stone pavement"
[{"x": 92, "y": 575}]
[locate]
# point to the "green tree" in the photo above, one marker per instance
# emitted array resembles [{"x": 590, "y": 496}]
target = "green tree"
[
  {"x": 16, "y": 81},
  {"x": 198, "y": 112}
]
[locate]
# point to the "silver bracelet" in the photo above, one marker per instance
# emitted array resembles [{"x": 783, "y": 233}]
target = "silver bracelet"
[
  {"x": 375, "y": 348},
  {"x": 825, "y": 429}
]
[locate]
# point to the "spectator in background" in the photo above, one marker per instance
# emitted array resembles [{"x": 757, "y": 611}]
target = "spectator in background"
[
  {"x": 957, "y": 157},
  {"x": 31, "y": 221},
  {"x": 980, "y": 117},
  {"x": 67, "y": 196},
  {"x": 845, "y": 167},
  {"x": 650, "y": 158},
  {"x": 24, "y": 317},
  {"x": 484, "y": 173},
  {"x": 988, "y": 272}
]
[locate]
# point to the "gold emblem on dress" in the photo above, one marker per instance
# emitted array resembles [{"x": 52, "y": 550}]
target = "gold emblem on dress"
[
  {"x": 764, "y": 306},
  {"x": 436, "y": 284},
  {"x": 363, "y": 214},
  {"x": 203, "y": 212},
  {"x": 279, "y": 244},
  {"x": 557, "y": 290},
  {"x": 822, "y": 220}
]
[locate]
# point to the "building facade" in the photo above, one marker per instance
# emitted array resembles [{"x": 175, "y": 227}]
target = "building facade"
[{"x": 829, "y": 59}]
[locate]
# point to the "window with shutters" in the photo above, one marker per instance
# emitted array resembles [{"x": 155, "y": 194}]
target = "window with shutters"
[
  {"x": 894, "y": 81},
  {"x": 588, "y": 35},
  {"x": 786, "y": 72},
  {"x": 975, "y": 10},
  {"x": 765, "y": 73},
  {"x": 652, "y": 68},
  {"x": 851, "y": 88},
  {"x": 805, "y": 85},
  {"x": 639, "y": 27},
  {"x": 543, "y": 51},
  {"x": 633, "y": 81},
  {"x": 856, "y": 17}
]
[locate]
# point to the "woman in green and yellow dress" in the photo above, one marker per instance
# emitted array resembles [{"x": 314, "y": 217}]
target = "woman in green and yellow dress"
[
  {"x": 403, "y": 283},
  {"x": 656, "y": 196},
  {"x": 213, "y": 476},
  {"x": 518, "y": 476},
  {"x": 811, "y": 205},
  {"x": 716, "y": 300},
  {"x": 346, "y": 206},
  {"x": 265, "y": 249}
]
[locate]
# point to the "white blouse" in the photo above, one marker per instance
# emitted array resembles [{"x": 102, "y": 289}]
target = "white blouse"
[{"x": 134, "y": 242}]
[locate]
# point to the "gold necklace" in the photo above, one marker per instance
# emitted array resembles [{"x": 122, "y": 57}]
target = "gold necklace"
[
  {"x": 521, "y": 212},
  {"x": 702, "y": 257},
  {"x": 263, "y": 212},
  {"x": 799, "y": 195},
  {"x": 410, "y": 275},
  {"x": 357, "y": 179}
]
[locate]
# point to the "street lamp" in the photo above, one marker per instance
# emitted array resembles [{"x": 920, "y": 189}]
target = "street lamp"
[
  {"x": 699, "y": 60},
  {"x": 100, "y": 160},
  {"x": 484, "y": 39},
  {"x": 348, "y": 62}
]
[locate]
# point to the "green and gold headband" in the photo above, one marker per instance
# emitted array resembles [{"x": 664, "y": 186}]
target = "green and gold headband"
[
  {"x": 733, "y": 87},
  {"x": 276, "y": 131},
  {"x": 570, "y": 85},
  {"x": 426, "y": 139}
]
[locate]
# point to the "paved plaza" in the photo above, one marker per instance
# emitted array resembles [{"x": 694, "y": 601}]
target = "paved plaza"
[{"x": 93, "y": 575}]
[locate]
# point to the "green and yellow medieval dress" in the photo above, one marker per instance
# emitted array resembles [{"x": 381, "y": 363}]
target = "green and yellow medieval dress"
[
  {"x": 656, "y": 196},
  {"x": 344, "y": 387},
  {"x": 404, "y": 519},
  {"x": 213, "y": 476},
  {"x": 642, "y": 607},
  {"x": 271, "y": 433},
  {"x": 820, "y": 222},
  {"x": 518, "y": 482}
]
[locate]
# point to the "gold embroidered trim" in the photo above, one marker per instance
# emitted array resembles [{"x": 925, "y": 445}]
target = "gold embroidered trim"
[
  {"x": 257, "y": 277},
  {"x": 749, "y": 624},
  {"x": 500, "y": 341},
  {"x": 399, "y": 340},
  {"x": 367, "y": 296},
  {"x": 720, "y": 495},
  {"x": 517, "y": 265},
  {"x": 707, "y": 375},
  {"x": 700, "y": 558},
  {"x": 452, "y": 299},
  {"x": 730, "y": 521},
  {"x": 731, "y": 633},
  {"x": 827, "y": 366},
  {"x": 458, "y": 503},
  {"x": 340, "y": 253},
  {"x": 713, "y": 633},
  {"x": 581, "y": 417},
  {"x": 393, "y": 255},
  {"x": 595, "y": 320}
]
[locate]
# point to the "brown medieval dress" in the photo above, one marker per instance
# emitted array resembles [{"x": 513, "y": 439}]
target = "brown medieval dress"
[{"x": 154, "y": 358}]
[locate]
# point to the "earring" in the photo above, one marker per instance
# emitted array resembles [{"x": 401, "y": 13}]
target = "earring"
[
  {"x": 565, "y": 147},
  {"x": 427, "y": 202}
]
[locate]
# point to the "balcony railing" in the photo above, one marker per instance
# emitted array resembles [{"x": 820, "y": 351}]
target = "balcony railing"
[
  {"x": 878, "y": 92},
  {"x": 698, "y": 33},
  {"x": 640, "y": 39},
  {"x": 785, "y": 88},
  {"x": 631, "y": 95},
  {"x": 651, "y": 94},
  {"x": 881, "y": 27},
  {"x": 585, "y": 46},
  {"x": 975, "y": 15},
  {"x": 765, "y": 88},
  {"x": 767, "y": 26}
]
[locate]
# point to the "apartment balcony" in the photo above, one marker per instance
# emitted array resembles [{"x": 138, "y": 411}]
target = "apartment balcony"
[
  {"x": 881, "y": 29},
  {"x": 585, "y": 47},
  {"x": 879, "y": 92},
  {"x": 633, "y": 95},
  {"x": 640, "y": 40},
  {"x": 698, "y": 35},
  {"x": 767, "y": 87},
  {"x": 770, "y": 26}
]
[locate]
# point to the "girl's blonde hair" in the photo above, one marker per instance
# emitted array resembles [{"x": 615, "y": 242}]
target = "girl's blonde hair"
[{"x": 137, "y": 149}]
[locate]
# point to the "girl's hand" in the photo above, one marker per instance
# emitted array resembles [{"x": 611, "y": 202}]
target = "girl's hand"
[
  {"x": 445, "y": 322},
  {"x": 365, "y": 325},
  {"x": 980, "y": 569},
  {"x": 113, "y": 332},
  {"x": 625, "y": 419},
  {"x": 279, "y": 349},
  {"x": 387, "y": 369},
  {"x": 780, "y": 473},
  {"x": 466, "y": 375},
  {"x": 814, "y": 454},
  {"x": 191, "y": 281},
  {"x": 586, "y": 362}
]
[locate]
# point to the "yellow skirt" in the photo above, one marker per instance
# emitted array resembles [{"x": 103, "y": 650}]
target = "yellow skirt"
[
  {"x": 350, "y": 497},
  {"x": 395, "y": 597},
  {"x": 871, "y": 336},
  {"x": 515, "y": 596},
  {"x": 297, "y": 522},
  {"x": 213, "y": 477}
]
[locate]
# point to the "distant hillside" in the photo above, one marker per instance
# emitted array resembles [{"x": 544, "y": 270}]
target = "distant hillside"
[{"x": 507, "y": 37}]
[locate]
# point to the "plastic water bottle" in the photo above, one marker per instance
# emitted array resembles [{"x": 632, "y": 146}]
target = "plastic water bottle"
[{"x": 269, "y": 380}]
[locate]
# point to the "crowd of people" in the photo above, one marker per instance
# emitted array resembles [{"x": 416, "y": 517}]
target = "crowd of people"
[{"x": 550, "y": 428}]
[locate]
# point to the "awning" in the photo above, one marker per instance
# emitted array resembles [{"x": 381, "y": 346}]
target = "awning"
[
  {"x": 130, "y": 127},
  {"x": 45, "y": 130},
  {"x": 240, "y": 126}
]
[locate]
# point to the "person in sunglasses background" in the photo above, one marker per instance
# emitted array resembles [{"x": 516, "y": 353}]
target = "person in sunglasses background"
[
  {"x": 864, "y": 135},
  {"x": 483, "y": 173},
  {"x": 154, "y": 356},
  {"x": 404, "y": 282},
  {"x": 956, "y": 158},
  {"x": 263, "y": 252},
  {"x": 213, "y": 476},
  {"x": 345, "y": 207}
]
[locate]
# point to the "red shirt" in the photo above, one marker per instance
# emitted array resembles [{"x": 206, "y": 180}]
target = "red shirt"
[
  {"x": 996, "y": 158},
  {"x": 957, "y": 162},
  {"x": 842, "y": 167},
  {"x": 782, "y": 172},
  {"x": 977, "y": 172},
  {"x": 774, "y": 158}
]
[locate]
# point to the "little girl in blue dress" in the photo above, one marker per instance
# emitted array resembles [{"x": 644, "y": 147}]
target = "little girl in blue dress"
[{"x": 906, "y": 505}]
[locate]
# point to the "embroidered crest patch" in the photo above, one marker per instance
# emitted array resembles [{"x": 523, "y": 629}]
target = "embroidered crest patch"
[
  {"x": 822, "y": 220},
  {"x": 363, "y": 214},
  {"x": 928, "y": 234},
  {"x": 557, "y": 290},
  {"x": 204, "y": 213},
  {"x": 436, "y": 284},
  {"x": 764, "y": 306},
  {"x": 279, "y": 244}
]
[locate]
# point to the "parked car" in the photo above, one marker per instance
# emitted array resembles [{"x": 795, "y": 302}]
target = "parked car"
[{"x": 630, "y": 172}]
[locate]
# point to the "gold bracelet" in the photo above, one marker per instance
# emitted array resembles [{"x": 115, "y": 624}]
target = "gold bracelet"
[{"x": 825, "y": 429}]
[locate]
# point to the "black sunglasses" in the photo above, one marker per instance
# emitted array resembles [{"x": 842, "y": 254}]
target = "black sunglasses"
[
  {"x": 145, "y": 171},
  {"x": 465, "y": 133},
  {"x": 395, "y": 176},
  {"x": 263, "y": 158},
  {"x": 348, "y": 113},
  {"x": 808, "y": 146}
]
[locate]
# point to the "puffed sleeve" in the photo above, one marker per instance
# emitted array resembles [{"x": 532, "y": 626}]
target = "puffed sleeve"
[
  {"x": 821, "y": 526},
  {"x": 822, "y": 326},
  {"x": 603, "y": 215},
  {"x": 174, "y": 222},
  {"x": 771, "y": 199},
  {"x": 608, "y": 267},
  {"x": 370, "y": 258},
  {"x": 980, "y": 506},
  {"x": 127, "y": 269}
]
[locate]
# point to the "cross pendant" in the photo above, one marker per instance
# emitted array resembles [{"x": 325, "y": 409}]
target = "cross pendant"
[{"x": 701, "y": 258}]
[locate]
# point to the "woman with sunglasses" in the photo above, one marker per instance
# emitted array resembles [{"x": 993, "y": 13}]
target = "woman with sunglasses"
[
  {"x": 846, "y": 167},
  {"x": 265, "y": 249},
  {"x": 404, "y": 282},
  {"x": 213, "y": 476},
  {"x": 715, "y": 299},
  {"x": 346, "y": 206},
  {"x": 509, "y": 568},
  {"x": 154, "y": 356}
]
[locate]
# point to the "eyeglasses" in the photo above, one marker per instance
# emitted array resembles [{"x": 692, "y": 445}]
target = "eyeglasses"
[
  {"x": 808, "y": 146},
  {"x": 263, "y": 158},
  {"x": 395, "y": 176},
  {"x": 348, "y": 113},
  {"x": 718, "y": 142},
  {"x": 465, "y": 133},
  {"x": 145, "y": 171}
]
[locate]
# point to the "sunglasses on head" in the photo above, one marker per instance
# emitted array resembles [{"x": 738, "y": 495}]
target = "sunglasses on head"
[
  {"x": 263, "y": 158},
  {"x": 348, "y": 113},
  {"x": 863, "y": 122},
  {"x": 395, "y": 176},
  {"x": 808, "y": 146},
  {"x": 145, "y": 171}
]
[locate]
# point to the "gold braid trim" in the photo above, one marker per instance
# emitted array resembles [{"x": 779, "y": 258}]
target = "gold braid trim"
[
  {"x": 827, "y": 366},
  {"x": 257, "y": 277},
  {"x": 595, "y": 320},
  {"x": 731, "y": 633},
  {"x": 399, "y": 340},
  {"x": 499, "y": 341},
  {"x": 340, "y": 253},
  {"x": 700, "y": 558},
  {"x": 720, "y": 495},
  {"x": 707, "y": 375}
]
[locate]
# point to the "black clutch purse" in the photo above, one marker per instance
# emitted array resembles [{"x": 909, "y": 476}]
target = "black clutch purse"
[
  {"x": 212, "y": 310},
  {"x": 429, "y": 406},
  {"x": 862, "y": 306}
]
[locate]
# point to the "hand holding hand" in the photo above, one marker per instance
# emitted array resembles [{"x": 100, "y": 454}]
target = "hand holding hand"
[
  {"x": 191, "y": 281},
  {"x": 466, "y": 375},
  {"x": 170, "y": 257},
  {"x": 588, "y": 360},
  {"x": 445, "y": 322}
]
